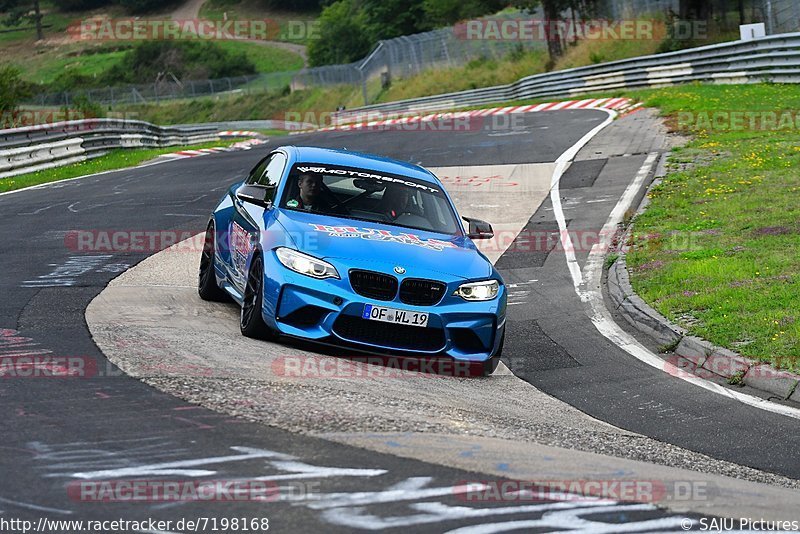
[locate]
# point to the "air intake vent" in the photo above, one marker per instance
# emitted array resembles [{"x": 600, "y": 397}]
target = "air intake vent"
[
  {"x": 421, "y": 292},
  {"x": 373, "y": 285}
]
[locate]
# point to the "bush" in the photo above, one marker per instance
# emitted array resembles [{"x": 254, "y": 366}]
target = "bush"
[
  {"x": 68, "y": 80},
  {"x": 12, "y": 88},
  {"x": 186, "y": 60},
  {"x": 85, "y": 107}
]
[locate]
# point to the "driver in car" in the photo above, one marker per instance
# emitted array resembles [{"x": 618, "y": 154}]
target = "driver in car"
[{"x": 310, "y": 197}]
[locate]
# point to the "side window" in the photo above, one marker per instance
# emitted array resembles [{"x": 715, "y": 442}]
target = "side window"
[
  {"x": 273, "y": 172},
  {"x": 272, "y": 175},
  {"x": 258, "y": 171},
  {"x": 267, "y": 174}
]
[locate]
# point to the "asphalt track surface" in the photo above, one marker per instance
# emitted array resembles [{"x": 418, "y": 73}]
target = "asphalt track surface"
[{"x": 59, "y": 431}]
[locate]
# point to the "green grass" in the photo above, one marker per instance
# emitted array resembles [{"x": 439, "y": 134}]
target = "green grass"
[
  {"x": 51, "y": 17},
  {"x": 43, "y": 61},
  {"x": 253, "y": 9},
  {"x": 116, "y": 159},
  {"x": 94, "y": 59},
  {"x": 478, "y": 73},
  {"x": 717, "y": 249},
  {"x": 488, "y": 72},
  {"x": 255, "y": 106},
  {"x": 44, "y": 68},
  {"x": 273, "y": 133},
  {"x": 266, "y": 58}
]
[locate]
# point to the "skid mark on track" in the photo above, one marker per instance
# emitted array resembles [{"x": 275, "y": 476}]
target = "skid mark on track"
[{"x": 421, "y": 499}]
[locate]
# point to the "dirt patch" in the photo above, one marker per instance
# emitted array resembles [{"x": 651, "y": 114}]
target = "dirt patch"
[{"x": 772, "y": 230}]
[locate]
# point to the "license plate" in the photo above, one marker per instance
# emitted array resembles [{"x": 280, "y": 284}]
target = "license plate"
[{"x": 391, "y": 315}]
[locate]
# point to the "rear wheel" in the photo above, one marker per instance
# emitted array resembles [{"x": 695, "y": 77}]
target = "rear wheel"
[
  {"x": 207, "y": 282},
  {"x": 251, "y": 323}
]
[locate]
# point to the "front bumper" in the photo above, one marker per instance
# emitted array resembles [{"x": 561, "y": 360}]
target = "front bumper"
[{"x": 329, "y": 311}]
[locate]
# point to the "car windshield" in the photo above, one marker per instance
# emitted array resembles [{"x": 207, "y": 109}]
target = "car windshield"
[{"x": 369, "y": 196}]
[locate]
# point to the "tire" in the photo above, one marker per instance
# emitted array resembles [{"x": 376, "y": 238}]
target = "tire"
[
  {"x": 490, "y": 365},
  {"x": 250, "y": 321},
  {"x": 207, "y": 286}
]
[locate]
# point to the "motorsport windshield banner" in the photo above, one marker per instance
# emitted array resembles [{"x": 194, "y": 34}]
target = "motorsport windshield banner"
[{"x": 362, "y": 173}]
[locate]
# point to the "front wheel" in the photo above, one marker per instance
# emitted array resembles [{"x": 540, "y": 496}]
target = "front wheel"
[{"x": 251, "y": 323}]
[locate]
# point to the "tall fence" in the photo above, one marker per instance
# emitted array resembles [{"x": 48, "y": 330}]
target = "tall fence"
[
  {"x": 779, "y": 16},
  {"x": 412, "y": 54},
  {"x": 773, "y": 59},
  {"x": 156, "y": 92},
  {"x": 409, "y": 55}
]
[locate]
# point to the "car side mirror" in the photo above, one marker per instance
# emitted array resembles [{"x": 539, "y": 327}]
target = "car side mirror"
[
  {"x": 479, "y": 229},
  {"x": 256, "y": 194}
]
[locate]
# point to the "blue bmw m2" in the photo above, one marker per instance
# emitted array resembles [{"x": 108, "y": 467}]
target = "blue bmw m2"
[{"x": 354, "y": 250}]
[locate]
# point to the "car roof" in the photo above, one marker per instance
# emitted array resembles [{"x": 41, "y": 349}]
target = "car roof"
[{"x": 330, "y": 156}]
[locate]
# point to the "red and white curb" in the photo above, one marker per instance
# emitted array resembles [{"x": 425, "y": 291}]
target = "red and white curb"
[
  {"x": 622, "y": 106},
  {"x": 239, "y": 133},
  {"x": 241, "y": 145}
]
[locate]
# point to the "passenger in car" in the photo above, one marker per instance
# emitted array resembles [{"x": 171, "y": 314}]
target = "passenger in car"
[{"x": 396, "y": 201}]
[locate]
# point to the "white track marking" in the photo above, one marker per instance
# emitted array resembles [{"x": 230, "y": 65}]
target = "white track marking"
[
  {"x": 555, "y": 197},
  {"x": 35, "y": 507},
  {"x": 59, "y": 182},
  {"x": 588, "y": 283}
]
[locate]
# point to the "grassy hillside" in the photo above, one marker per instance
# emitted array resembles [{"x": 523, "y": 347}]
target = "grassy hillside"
[
  {"x": 478, "y": 73},
  {"x": 60, "y": 52}
]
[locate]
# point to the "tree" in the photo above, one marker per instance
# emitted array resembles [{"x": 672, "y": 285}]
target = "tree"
[
  {"x": 342, "y": 35},
  {"x": 292, "y": 5},
  {"x": 18, "y": 11},
  {"x": 144, "y": 6},
  {"x": 386, "y": 19},
  {"x": 448, "y": 12},
  {"x": 81, "y": 5},
  {"x": 12, "y": 89},
  {"x": 553, "y": 10},
  {"x": 552, "y": 13},
  {"x": 694, "y": 9}
]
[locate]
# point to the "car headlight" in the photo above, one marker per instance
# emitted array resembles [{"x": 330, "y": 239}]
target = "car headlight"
[
  {"x": 305, "y": 264},
  {"x": 486, "y": 290}
]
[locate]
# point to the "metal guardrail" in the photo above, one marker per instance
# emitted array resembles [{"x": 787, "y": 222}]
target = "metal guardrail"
[
  {"x": 265, "y": 124},
  {"x": 35, "y": 148},
  {"x": 774, "y": 59}
]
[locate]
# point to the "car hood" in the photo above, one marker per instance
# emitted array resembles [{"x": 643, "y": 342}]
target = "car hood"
[{"x": 372, "y": 245}]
